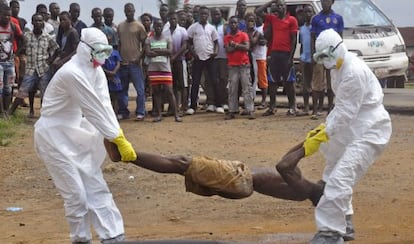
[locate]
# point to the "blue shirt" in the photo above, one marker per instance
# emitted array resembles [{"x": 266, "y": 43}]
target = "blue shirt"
[
  {"x": 305, "y": 41},
  {"x": 321, "y": 22},
  {"x": 110, "y": 64}
]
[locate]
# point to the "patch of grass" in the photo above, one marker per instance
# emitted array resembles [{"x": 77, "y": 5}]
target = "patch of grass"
[{"x": 9, "y": 127}]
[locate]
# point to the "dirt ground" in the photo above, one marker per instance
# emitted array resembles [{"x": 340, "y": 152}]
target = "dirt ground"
[{"x": 156, "y": 206}]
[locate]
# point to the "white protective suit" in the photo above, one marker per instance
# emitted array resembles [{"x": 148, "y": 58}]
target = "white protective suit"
[
  {"x": 358, "y": 128},
  {"x": 76, "y": 115}
]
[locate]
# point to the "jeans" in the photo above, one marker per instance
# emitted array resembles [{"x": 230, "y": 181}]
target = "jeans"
[
  {"x": 133, "y": 73},
  {"x": 7, "y": 76}
]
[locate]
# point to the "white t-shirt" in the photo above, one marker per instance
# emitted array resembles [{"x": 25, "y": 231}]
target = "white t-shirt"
[
  {"x": 259, "y": 52},
  {"x": 203, "y": 39}
]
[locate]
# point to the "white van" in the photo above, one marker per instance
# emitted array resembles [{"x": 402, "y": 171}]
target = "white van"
[{"x": 368, "y": 32}]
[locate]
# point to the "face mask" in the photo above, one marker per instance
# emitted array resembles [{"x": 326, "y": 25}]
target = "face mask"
[
  {"x": 326, "y": 57},
  {"x": 99, "y": 52},
  {"x": 329, "y": 63}
]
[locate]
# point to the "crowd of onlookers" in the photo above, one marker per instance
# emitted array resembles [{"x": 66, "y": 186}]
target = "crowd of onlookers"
[{"x": 170, "y": 57}]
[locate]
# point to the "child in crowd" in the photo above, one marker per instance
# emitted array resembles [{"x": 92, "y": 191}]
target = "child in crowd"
[
  {"x": 258, "y": 51},
  {"x": 111, "y": 68}
]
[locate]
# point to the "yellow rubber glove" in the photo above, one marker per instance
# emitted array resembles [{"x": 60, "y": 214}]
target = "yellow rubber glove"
[
  {"x": 125, "y": 148},
  {"x": 315, "y": 130},
  {"x": 312, "y": 143}
]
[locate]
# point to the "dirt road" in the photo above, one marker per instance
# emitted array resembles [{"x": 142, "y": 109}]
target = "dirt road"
[{"x": 156, "y": 206}]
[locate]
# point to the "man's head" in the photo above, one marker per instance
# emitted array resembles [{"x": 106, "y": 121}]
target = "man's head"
[
  {"x": 234, "y": 24},
  {"x": 182, "y": 18},
  {"x": 108, "y": 15},
  {"x": 15, "y": 8},
  {"x": 74, "y": 10},
  {"x": 164, "y": 12},
  {"x": 196, "y": 13},
  {"x": 216, "y": 16},
  {"x": 280, "y": 8},
  {"x": 42, "y": 9},
  {"x": 129, "y": 10},
  {"x": 38, "y": 22},
  {"x": 54, "y": 10},
  {"x": 5, "y": 14},
  {"x": 241, "y": 8},
  {"x": 173, "y": 19},
  {"x": 188, "y": 7},
  {"x": 327, "y": 5},
  {"x": 96, "y": 15},
  {"x": 308, "y": 13},
  {"x": 203, "y": 15},
  {"x": 64, "y": 20},
  {"x": 329, "y": 49}
]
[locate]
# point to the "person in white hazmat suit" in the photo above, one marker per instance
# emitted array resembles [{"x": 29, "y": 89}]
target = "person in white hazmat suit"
[
  {"x": 355, "y": 133},
  {"x": 76, "y": 116}
]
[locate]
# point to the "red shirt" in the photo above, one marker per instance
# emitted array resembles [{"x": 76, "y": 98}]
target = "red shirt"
[
  {"x": 281, "y": 31},
  {"x": 17, "y": 32},
  {"x": 238, "y": 57}
]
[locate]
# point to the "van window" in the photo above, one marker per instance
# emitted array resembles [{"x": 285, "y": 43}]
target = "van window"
[{"x": 360, "y": 13}]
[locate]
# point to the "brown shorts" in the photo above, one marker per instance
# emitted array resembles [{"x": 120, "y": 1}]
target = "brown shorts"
[
  {"x": 318, "y": 78},
  {"x": 207, "y": 176}
]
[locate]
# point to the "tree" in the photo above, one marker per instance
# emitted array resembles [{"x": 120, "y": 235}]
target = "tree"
[{"x": 172, "y": 4}]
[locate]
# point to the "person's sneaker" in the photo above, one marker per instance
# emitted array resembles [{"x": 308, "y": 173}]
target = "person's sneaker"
[
  {"x": 140, "y": 117},
  {"x": 226, "y": 107},
  {"x": 244, "y": 113},
  {"x": 190, "y": 111},
  {"x": 211, "y": 108},
  {"x": 268, "y": 112},
  {"x": 220, "y": 110},
  {"x": 316, "y": 116},
  {"x": 291, "y": 112},
  {"x": 261, "y": 106},
  {"x": 178, "y": 119},
  {"x": 156, "y": 119},
  {"x": 251, "y": 116},
  {"x": 327, "y": 237},
  {"x": 122, "y": 117},
  {"x": 350, "y": 232},
  {"x": 229, "y": 116}
]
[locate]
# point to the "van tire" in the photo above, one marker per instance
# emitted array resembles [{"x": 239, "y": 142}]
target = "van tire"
[{"x": 396, "y": 82}]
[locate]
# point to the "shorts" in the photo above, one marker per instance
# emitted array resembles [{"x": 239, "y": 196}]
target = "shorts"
[
  {"x": 207, "y": 176},
  {"x": 318, "y": 78},
  {"x": 279, "y": 66},
  {"x": 262, "y": 74},
  {"x": 179, "y": 74}
]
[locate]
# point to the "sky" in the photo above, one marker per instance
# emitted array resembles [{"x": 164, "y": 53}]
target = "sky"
[{"x": 399, "y": 11}]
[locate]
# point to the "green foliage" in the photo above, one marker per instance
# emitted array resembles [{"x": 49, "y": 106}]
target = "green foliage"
[
  {"x": 9, "y": 127},
  {"x": 172, "y": 4}
]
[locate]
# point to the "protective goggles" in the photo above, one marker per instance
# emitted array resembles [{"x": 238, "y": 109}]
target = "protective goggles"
[
  {"x": 326, "y": 53},
  {"x": 99, "y": 50}
]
